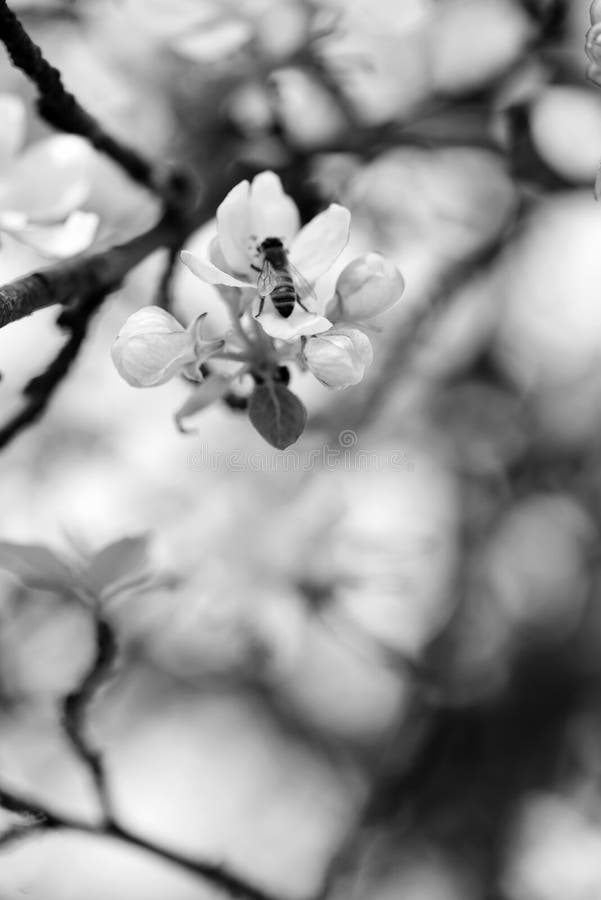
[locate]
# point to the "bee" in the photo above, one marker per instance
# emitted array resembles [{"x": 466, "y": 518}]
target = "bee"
[{"x": 279, "y": 279}]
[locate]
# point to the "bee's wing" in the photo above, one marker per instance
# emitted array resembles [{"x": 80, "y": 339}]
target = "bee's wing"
[
  {"x": 304, "y": 290},
  {"x": 267, "y": 280}
]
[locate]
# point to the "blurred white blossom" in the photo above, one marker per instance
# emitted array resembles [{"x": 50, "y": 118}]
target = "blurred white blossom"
[
  {"x": 565, "y": 122},
  {"x": 43, "y": 189},
  {"x": 556, "y": 853}
]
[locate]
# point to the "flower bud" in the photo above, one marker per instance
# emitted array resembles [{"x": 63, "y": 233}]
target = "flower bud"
[
  {"x": 152, "y": 347},
  {"x": 593, "y": 44},
  {"x": 595, "y": 12},
  {"x": 339, "y": 357},
  {"x": 368, "y": 286}
]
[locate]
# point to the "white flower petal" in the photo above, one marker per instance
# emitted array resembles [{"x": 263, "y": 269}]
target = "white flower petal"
[
  {"x": 298, "y": 324},
  {"x": 55, "y": 241},
  {"x": 272, "y": 212},
  {"x": 12, "y": 133},
  {"x": 209, "y": 45},
  {"x": 233, "y": 227},
  {"x": 151, "y": 320},
  {"x": 319, "y": 244},
  {"x": 50, "y": 179},
  {"x": 209, "y": 273}
]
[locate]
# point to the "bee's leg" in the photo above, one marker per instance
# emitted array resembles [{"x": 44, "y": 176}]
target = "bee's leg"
[
  {"x": 261, "y": 305},
  {"x": 300, "y": 303},
  {"x": 256, "y": 268}
]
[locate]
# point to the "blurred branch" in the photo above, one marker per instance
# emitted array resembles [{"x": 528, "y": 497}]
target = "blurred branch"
[
  {"x": 76, "y": 704},
  {"x": 163, "y": 296},
  {"x": 90, "y": 279},
  {"x": 411, "y": 337},
  {"x": 47, "y": 820},
  {"x": 61, "y": 109},
  {"x": 39, "y": 390},
  {"x": 99, "y": 273}
]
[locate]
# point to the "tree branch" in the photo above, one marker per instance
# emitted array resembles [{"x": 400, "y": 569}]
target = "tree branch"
[
  {"x": 90, "y": 279},
  {"x": 97, "y": 273},
  {"x": 61, "y": 109},
  {"x": 45, "y": 819}
]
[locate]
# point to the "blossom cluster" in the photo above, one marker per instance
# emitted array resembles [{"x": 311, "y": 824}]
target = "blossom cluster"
[{"x": 279, "y": 316}]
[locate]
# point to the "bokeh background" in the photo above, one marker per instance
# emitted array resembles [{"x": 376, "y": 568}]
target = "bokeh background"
[{"x": 371, "y": 662}]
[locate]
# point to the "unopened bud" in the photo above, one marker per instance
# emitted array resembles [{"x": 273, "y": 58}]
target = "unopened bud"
[
  {"x": 368, "y": 286},
  {"x": 593, "y": 43},
  {"x": 152, "y": 347},
  {"x": 339, "y": 357}
]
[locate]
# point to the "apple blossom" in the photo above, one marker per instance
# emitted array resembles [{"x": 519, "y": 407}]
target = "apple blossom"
[
  {"x": 368, "y": 286},
  {"x": 251, "y": 363},
  {"x": 339, "y": 357},
  {"x": 42, "y": 189},
  {"x": 249, "y": 214},
  {"x": 153, "y": 347}
]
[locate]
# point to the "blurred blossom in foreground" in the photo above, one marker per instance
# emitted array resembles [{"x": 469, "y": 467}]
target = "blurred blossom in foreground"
[
  {"x": 435, "y": 204},
  {"x": 549, "y": 331},
  {"x": 473, "y": 41},
  {"x": 565, "y": 123},
  {"x": 382, "y": 51},
  {"x": 556, "y": 853},
  {"x": 545, "y": 591},
  {"x": 43, "y": 188}
]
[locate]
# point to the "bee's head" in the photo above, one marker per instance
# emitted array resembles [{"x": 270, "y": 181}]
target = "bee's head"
[{"x": 271, "y": 243}]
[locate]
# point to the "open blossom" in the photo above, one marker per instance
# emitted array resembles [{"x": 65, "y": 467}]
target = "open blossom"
[
  {"x": 251, "y": 363},
  {"x": 152, "y": 347},
  {"x": 249, "y": 214},
  {"x": 43, "y": 188},
  {"x": 339, "y": 357},
  {"x": 368, "y": 286}
]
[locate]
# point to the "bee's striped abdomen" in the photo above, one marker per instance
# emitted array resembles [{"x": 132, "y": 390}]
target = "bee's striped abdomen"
[{"x": 283, "y": 295}]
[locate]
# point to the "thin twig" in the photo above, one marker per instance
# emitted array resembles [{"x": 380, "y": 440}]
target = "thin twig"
[
  {"x": 76, "y": 706},
  {"x": 163, "y": 296},
  {"x": 39, "y": 390},
  {"x": 48, "y": 820}
]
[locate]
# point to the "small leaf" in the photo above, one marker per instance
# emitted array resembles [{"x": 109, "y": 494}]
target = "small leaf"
[
  {"x": 277, "y": 414},
  {"x": 209, "y": 391},
  {"x": 36, "y": 566},
  {"x": 121, "y": 563}
]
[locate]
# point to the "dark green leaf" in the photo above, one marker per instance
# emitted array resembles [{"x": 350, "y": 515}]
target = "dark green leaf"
[{"x": 277, "y": 414}]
